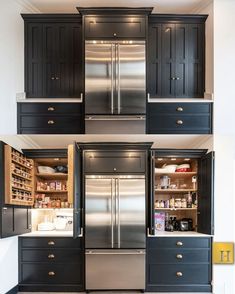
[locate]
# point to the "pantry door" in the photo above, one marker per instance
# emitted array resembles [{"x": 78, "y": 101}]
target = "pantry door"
[{"x": 75, "y": 187}]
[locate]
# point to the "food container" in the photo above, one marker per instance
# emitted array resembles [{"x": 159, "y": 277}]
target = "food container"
[
  {"x": 45, "y": 170},
  {"x": 183, "y": 168}
]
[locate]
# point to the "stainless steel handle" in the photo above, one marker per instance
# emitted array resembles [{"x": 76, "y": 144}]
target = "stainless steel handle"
[
  {"x": 81, "y": 232},
  {"x": 118, "y": 208},
  {"x": 50, "y": 108},
  {"x": 50, "y": 122},
  {"x": 81, "y": 98},
  {"x": 179, "y": 122},
  {"x": 179, "y": 274},
  {"x": 51, "y": 243},
  {"x": 179, "y": 109},
  {"x": 119, "y": 91},
  {"x": 179, "y": 243},
  {"x": 51, "y": 274},
  {"x": 51, "y": 256},
  {"x": 112, "y": 223},
  {"x": 115, "y": 117},
  {"x": 112, "y": 78},
  {"x": 139, "y": 252},
  {"x": 179, "y": 256}
]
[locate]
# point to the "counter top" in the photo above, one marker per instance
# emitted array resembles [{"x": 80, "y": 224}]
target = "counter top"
[
  {"x": 178, "y": 234},
  {"x": 181, "y": 100},
  {"x": 49, "y": 234},
  {"x": 49, "y": 100}
]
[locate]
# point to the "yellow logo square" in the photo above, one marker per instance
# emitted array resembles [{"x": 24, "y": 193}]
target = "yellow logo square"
[{"x": 223, "y": 253}]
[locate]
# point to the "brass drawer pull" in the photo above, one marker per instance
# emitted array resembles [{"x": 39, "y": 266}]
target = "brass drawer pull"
[
  {"x": 51, "y": 274},
  {"x": 114, "y": 34},
  {"x": 180, "y": 109},
  {"x": 50, "y": 122},
  {"x": 51, "y": 243},
  {"x": 52, "y": 78},
  {"x": 50, "y": 108},
  {"x": 179, "y": 122},
  {"x": 179, "y": 256},
  {"x": 57, "y": 78},
  {"x": 51, "y": 256},
  {"x": 179, "y": 274},
  {"x": 179, "y": 243}
]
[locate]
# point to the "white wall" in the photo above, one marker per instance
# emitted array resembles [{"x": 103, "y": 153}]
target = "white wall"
[{"x": 11, "y": 62}]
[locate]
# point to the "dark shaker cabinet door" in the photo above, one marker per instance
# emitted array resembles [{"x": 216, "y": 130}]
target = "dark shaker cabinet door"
[
  {"x": 206, "y": 194},
  {"x": 168, "y": 60},
  {"x": 21, "y": 221},
  {"x": 196, "y": 60},
  {"x": 154, "y": 60},
  {"x": 181, "y": 60},
  {"x": 33, "y": 60},
  {"x": 7, "y": 222}
]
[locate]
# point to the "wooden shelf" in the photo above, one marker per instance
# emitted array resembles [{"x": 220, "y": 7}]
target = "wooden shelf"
[
  {"x": 51, "y": 191},
  {"x": 21, "y": 189},
  {"x": 176, "y": 174},
  {"x": 21, "y": 164},
  {"x": 55, "y": 176},
  {"x": 175, "y": 190},
  {"x": 22, "y": 177},
  {"x": 175, "y": 209}
]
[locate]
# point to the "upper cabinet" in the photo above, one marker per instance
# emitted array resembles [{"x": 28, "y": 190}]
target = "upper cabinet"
[
  {"x": 176, "y": 56},
  {"x": 53, "y": 56},
  {"x": 118, "y": 23}
]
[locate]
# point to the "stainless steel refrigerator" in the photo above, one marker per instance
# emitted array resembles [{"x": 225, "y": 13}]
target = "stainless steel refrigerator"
[
  {"x": 115, "y": 85},
  {"x": 115, "y": 232}
]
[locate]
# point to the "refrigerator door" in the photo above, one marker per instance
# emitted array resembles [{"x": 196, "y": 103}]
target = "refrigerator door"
[
  {"x": 99, "y": 77},
  {"x": 130, "y": 212},
  {"x": 131, "y": 78},
  {"x": 99, "y": 212},
  {"x": 115, "y": 269}
]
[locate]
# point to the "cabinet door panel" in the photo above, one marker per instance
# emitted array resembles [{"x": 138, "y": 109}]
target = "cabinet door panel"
[
  {"x": 206, "y": 194},
  {"x": 168, "y": 60},
  {"x": 154, "y": 60},
  {"x": 21, "y": 221},
  {"x": 196, "y": 67},
  {"x": 181, "y": 82},
  {"x": 33, "y": 60},
  {"x": 7, "y": 221}
]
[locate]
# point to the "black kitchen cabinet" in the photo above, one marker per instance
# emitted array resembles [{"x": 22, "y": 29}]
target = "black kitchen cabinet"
[
  {"x": 179, "y": 118},
  {"x": 176, "y": 56},
  {"x": 51, "y": 264},
  {"x": 202, "y": 169},
  {"x": 179, "y": 268},
  {"x": 14, "y": 220},
  {"x": 50, "y": 118},
  {"x": 115, "y": 23},
  {"x": 53, "y": 56}
]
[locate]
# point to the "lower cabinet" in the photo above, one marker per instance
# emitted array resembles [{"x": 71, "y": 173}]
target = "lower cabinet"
[
  {"x": 51, "y": 264},
  {"x": 178, "y": 264}
]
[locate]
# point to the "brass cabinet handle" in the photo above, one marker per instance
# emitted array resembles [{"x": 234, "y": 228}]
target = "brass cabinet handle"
[
  {"x": 52, "y": 78},
  {"x": 50, "y": 108},
  {"x": 173, "y": 78},
  {"x": 51, "y": 274},
  {"x": 51, "y": 243},
  {"x": 177, "y": 79},
  {"x": 180, "y": 109},
  {"x": 179, "y": 122},
  {"x": 114, "y": 169},
  {"x": 57, "y": 78},
  {"x": 179, "y": 243},
  {"x": 51, "y": 256},
  {"x": 179, "y": 274},
  {"x": 114, "y": 34},
  {"x": 50, "y": 122},
  {"x": 179, "y": 256}
]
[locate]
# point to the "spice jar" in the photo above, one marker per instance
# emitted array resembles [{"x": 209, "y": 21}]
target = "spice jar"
[
  {"x": 178, "y": 203},
  {"x": 172, "y": 202}
]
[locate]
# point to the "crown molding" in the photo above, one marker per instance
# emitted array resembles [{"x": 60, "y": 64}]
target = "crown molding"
[{"x": 28, "y": 6}]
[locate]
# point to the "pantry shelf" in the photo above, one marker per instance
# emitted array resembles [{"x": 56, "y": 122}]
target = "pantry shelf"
[
  {"x": 176, "y": 174},
  {"x": 51, "y": 191},
  {"x": 175, "y": 209},
  {"x": 55, "y": 176},
  {"x": 175, "y": 190}
]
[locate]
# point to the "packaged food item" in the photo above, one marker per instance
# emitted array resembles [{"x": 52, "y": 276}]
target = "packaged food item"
[
  {"x": 159, "y": 221},
  {"x": 58, "y": 186},
  {"x": 52, "y": 186},
  {"x": 172, "y": 202}
]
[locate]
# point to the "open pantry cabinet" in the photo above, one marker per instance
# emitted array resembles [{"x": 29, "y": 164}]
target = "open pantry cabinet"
[
  {"x": 42, "y": 179},
  {"x": 181, "y": 191}
]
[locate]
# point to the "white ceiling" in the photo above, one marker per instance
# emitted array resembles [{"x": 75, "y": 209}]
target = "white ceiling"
[
  {"x": 62, "y": 141},
  {"x": 160, "y": 6}
]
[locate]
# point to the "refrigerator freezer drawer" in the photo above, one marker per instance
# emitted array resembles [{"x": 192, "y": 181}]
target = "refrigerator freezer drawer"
[{"x": 115, "y": 269}]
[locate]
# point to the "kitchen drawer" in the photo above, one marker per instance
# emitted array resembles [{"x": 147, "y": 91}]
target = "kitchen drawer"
[
  {"x": 67, "y": 255},
  {"x": 179, "y": 108},
  {"x": 43, "y": 273},
  {"x": 178, "y": 274},
  {"x": 178, "y": 242},
  {"x": 183, "y": 256},
  {"x": 47, "y": 242},
  {"x": 119, "y": 162},
  {"x": 50, "y": 108},
  {"x": 115, "y": 27}
]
